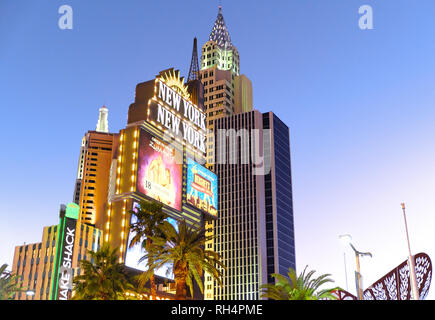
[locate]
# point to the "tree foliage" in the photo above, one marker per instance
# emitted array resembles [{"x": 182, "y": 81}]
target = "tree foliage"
[
  {"x": 150, "y": 223},
  {"x": 103, "y": 278},
  {"x": 184, "y": 249},
  {"x": 9, "y": 283},
  {"x": 302, "y": 287}
]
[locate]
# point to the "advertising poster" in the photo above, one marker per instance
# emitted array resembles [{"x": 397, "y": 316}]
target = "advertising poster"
[
  {"x": 136, "y": 252},
  {"x": 201, "y": 188},
  {"x": 159, "y": 174}
]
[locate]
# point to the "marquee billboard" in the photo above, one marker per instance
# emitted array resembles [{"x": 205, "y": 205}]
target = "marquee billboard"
[
  {"x": 202, "y": 188},
  {"x": 173, "y": 112},
  {"x": 159, "y": 173}
]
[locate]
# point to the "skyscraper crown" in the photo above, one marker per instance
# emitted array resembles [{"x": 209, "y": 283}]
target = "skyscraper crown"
[
  {"x": 219, "y": 33},
  {"x": 103, "y": 122}
]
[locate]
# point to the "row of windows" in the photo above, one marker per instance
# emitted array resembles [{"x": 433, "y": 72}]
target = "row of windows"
[
  {"x": 209, "y": 82},
  {"x": 207, "y": 74}
]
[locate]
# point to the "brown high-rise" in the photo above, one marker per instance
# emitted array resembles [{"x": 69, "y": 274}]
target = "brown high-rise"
[
  {"x": 93, "y": 174},
  {"x": 226, "y": 91}
]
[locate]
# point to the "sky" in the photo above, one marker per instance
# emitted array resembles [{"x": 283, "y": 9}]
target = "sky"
[{"x": 360, "y": 105}]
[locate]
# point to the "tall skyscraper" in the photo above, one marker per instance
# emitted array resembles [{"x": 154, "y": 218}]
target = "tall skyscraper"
[
  {"x": 102, "y": 127},
  {"x": 226, "y": 92},
  {"x": 254, "y": 232},
  {"x": 280, "y": 234},
  {"x": 93, "y": 173}
]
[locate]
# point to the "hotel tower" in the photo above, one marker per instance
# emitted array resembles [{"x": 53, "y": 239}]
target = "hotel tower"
[
  {"x": 226, "y": 91},
  {"x": 93, "y": 172},
  {"x": 254, "y": 232}
]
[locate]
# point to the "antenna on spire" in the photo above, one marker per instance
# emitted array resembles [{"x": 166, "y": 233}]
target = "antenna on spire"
[{"x": 194, "y": 65}]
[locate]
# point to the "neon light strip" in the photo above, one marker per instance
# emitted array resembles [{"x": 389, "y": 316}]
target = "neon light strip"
[{"x": 55, "y": 281}]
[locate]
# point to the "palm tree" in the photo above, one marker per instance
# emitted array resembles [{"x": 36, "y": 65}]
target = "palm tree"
[
  {"x": 103, "y": 279},
  {"x": 9, "y": 284},
  {"x": 184, "y": 250},
  {"x": 300, "y": 287},
  {"x": 150, "y": 221}
]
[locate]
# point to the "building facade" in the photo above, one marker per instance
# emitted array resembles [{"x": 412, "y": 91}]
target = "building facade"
[
  {"x": 226, "y": 91},
  {"x": 166, "y": 129},
  {"x": 37, "y": 264},
  {"x": 254, "y": 232},
  {"x": 96, "y": 152},
  {"x": 102, "y": 127},
  {"x": 280, "y": 234}
]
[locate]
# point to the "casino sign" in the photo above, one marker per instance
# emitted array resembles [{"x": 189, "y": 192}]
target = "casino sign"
[{"x": 172, "y": 111}]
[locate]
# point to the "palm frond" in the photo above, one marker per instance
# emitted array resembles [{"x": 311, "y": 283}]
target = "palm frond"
[{"x": 298, "y": 287}]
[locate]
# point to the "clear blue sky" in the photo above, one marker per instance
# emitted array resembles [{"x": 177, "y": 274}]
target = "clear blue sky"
[{"x": 360, "y": 106}]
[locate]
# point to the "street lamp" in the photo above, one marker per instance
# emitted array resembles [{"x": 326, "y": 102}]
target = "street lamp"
[
  {"x": 347, "y": 239},
  {"x": 411, "y": 262}
]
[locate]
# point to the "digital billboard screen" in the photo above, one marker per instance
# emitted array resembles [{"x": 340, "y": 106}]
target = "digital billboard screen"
[
  {"x": 159, "y": 174},
  {"x": 202, "y": 188},
  {"x": 135, "y": 253}
]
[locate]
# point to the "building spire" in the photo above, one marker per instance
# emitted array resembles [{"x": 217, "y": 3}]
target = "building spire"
[
  {"x": 219, "y": 33},
  {"x": 194, "y": 65},
  {"x": 103, "y": 122}
]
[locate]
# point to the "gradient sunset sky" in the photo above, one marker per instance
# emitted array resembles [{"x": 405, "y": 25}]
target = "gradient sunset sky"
[{"x": 360, "y": 106}]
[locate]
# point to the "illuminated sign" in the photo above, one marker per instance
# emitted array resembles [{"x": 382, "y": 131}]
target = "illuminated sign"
[
  {"x": 201, "y": 188},
  {"x": 159, "y": 174},
  {"x": 135, "y": 253},
  {"x": 63, "y": 276},
  {"x": 172, "y": 110}
]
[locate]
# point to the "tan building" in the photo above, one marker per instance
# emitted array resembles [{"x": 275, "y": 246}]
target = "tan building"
[
  {"x": 143, "y": 140},
  {"x": 226, "y": 92},
  {"x": 35, "y": 263},
  {"x": 94, "y": 169}
]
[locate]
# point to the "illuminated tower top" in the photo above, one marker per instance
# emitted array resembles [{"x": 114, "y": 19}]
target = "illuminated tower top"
[
  {"x": 219, "y": 33},
  {"x": 103, "y": 122},
  {"x": 219, "y": 52}
]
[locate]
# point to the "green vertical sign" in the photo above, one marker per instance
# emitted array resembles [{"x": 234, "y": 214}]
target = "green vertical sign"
[{"x": 62, "y": 271}]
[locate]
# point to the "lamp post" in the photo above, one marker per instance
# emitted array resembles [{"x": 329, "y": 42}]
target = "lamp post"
[
  {"x": 347, "y": 238},
  {"x": 411, "y": 262}
]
